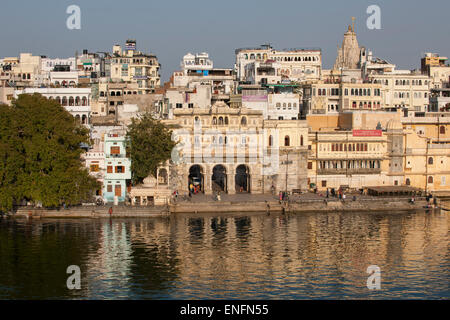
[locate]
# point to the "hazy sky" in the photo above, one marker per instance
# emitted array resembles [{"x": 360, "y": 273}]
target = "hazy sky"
[{"x": 171, "y": 28}]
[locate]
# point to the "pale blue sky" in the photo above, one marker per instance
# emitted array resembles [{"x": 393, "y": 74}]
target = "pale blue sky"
[{"x": 171, "y": 28}]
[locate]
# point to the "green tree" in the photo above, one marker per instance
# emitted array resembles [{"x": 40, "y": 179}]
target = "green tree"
[
  {"x": 40, "y": 156},
  {"x": 150, "y": 145}
]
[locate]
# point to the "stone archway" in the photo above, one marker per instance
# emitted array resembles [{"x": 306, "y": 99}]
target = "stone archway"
[
  {"x": 242, "y": 179},
  {"x": 196, "y": 177},
  {"x": 219, "y": 178}
]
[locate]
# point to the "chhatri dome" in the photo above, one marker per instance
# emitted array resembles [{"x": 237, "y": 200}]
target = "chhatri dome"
[{"x": 394, "y": 124}]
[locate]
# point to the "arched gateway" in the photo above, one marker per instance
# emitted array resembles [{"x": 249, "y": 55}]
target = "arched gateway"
[
  {"x": 219, "y": 178},
  {"x": 242, "y": 179},
  {"x": 196, "y": 178}
]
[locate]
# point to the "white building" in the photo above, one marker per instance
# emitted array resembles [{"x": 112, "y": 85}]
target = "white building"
[
  {"x": 199, "y": 61},
  {"x": 283, "y": 106},
  {"x": 293, "y": 64},
  {"x": 49, "y": 64},
  {"x": 75, "y": 100}
]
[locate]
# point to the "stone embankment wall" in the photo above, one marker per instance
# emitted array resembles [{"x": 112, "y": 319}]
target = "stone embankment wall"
[{"x": 366, "y": 205}]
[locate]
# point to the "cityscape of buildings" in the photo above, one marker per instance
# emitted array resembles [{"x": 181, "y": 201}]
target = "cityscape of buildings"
[{"x": 275, "y": 121}]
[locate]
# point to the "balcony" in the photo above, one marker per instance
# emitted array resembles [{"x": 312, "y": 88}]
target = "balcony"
[{"x": 349, "y": 171}]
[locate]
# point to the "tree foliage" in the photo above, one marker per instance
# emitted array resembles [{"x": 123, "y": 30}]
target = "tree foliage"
[
  {"x": 40, "y": 154},
  {"x": 150, "y": 145}
]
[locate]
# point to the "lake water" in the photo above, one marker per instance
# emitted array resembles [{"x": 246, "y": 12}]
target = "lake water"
[{"x": 307, "y": 256}]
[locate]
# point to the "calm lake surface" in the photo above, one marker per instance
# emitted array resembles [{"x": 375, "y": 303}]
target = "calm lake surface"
[{"x": 308, "y": 256}]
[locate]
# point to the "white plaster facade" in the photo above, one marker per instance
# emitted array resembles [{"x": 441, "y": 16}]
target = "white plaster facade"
[{"x": 75, "y": 100}]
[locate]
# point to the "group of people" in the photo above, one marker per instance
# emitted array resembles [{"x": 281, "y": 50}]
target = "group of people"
[
  {"x": 340, "y": 194},
  {"x": 194, "y": 189},
  {"x": 283, "y": 196}
]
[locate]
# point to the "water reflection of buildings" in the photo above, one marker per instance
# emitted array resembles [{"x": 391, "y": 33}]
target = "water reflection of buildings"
[
  {"x": 243, "y": 254},
  {"x": 109, "y": 265}
]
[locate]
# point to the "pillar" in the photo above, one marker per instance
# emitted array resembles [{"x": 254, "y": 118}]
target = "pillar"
[{"x": 231, "y": 184}]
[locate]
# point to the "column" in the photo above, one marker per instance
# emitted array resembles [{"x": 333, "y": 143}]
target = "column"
[{"x": 231, "y": 185}]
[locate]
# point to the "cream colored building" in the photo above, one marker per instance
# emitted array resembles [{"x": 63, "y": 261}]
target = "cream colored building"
[
  {"x": 134, "y": 66},
  {"x": 427, "y": 162},
  {"x": 355, "y": 150},
  {"x": 326, "y": 98},
  {"x": 295, "y": 64},
  {"x": 229, "y": 150},
  {"x": 27, "y": 71},
  {"x": 402, "y": 89}
]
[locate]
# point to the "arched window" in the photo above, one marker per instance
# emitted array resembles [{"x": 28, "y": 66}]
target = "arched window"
[
  {"x": 430, "y": 179},
  {"x": 71, "y": 101},
  {"x": 226, "y": 120},
  {"x": 243, "y": 121},
  {"x": 301, "y": 140},
  {"x": 113, "y": 93},
  {"x": 220, "y": 120},
  {"x": 58, "y": 99},
  {"x": 77, "y": 101},
  {"x": 84, "y": 101},
  {"x": 214, "y": 121},
  {"x": 430, "y": 160},
  {"x": 442, "y": 130},
  {"x": 408, "y": 182},
  {"x": 287, "y": 141},
  {"x": 162, "y": 176},
  {"x": 270, "y": 140},
  {"x": 64, "y": 101}
]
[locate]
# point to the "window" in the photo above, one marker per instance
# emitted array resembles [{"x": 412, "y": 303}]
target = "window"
[
  {"x": 162, "y": 176},
  {"x": 244, "y": 121},
  {"x": 301, "y": 140},
  {"x": 115, "y": 150},
  {"x": 286, "y": 141},
  {"x": 94, "y": 168},
  {"x": 109, "y": 188},
  {"x": 309, "y": 165},
  {"x": 430, "y": 160},
  {"x": 408, "y": 182},
  {"x": 270, "y": 140},
  {"x": 324, "y": 183},
  {"x": 190, "y": 105},
  {"x": 120, "y": 169},
  {"x": 442, "y": 130},
  {"x": 109, "y": 169},
  {"x": 430, "y": 179},
  {"x": 179, "y": 105}
]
